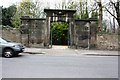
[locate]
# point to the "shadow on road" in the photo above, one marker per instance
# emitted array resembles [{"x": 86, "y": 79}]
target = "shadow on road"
[
  {"x": 32, "y": 53},
  {"x": 15, "y": 56},
  {"x": 19, "y": 56},
  {"x": 101, "y": 55}
]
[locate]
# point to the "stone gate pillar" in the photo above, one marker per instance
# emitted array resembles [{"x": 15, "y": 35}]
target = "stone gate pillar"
[
  {"x": 71, "y": 32},
  {"x": 47, "y": 32},
  {"x": 59, "y": 15}
]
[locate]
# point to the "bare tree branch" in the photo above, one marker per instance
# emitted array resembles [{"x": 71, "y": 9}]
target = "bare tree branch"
[
  {"x": 112, "y": 3},
  {"x": 111, "y": 13},
  {"x": 93, "y": 9}
]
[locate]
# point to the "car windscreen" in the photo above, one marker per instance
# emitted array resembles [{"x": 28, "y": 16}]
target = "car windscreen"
[
  {"x": 7, "y": 40},
  {"x": 2, "y": 40}
]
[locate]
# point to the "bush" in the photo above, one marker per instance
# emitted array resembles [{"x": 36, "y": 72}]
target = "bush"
[{"x": 59, "y": 33}]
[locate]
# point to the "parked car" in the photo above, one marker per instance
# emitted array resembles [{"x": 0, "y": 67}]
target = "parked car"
[{"x": 9, "y": 49}]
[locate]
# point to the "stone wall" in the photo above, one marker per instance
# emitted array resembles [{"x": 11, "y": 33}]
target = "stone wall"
[
  {"x": 103, "y": 42},
  {"x": 85, "y": 33},
  {"x": 15, "y": 36},
  {"x": 107, "y": 41},
  {"x": 11, "y": 34},
  {"x": 33, "y": 32}
]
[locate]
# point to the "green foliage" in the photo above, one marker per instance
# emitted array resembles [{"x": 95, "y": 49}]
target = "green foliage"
[
  {"x": 16, "y": 20},
  {"x": 59, "y": 33},
  {"x": 26, "y": 8},
  {"x": 22, "y": 10},
  {"x": 7, "y": 14},
  {"x": 104, "y": 27},
  {"x": 72, "y": 5},
  {"x": 94, "y": 14},
  {"x": 81, "y": 7},
  {"x": 0, "y": 16},
  {"x": 83, "y": 10}
]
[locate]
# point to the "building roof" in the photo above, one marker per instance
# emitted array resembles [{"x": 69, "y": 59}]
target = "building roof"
[
  {"x": 28, "y": 18},
  {"x": 87, "y": 20},
  {"x": 59, "y": 10}
]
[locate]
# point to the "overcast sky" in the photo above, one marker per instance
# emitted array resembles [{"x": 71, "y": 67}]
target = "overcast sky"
[
  {"x": 50, "y": 3},
  {"x": 7, "y": 3}
]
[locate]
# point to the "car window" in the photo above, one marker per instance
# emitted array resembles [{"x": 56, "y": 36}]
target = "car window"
[
  {"x": 2, "y": 40},
  {"x": 7, "y": 40}
]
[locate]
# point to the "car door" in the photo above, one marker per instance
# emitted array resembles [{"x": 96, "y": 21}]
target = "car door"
[{"x": 0, "y": 47}]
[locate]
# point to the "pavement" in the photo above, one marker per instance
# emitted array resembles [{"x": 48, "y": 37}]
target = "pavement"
[{"x": 64, "y": 51}]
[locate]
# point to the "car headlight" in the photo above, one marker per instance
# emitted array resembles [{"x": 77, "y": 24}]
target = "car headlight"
[{"x": 16, "y": 46}]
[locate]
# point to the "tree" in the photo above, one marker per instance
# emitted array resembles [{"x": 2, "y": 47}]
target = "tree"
[
  {"x": 27, "y": 8},
  {"x": 23, "y": 9},
  {"x": 0, "y": 16},
  {"x": 82, "y": 9},
  {"x": 94, "y": 14},
  {"x": 99, "y": 2},
  {"x": 59, "y": 33},
  {"x": 116, "y": 6},
  {"x": 7, "y": 14},
  {"x": 93, "y": 10}
]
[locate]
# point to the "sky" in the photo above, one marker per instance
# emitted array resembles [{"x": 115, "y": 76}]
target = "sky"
[
  {"x": 7, "y": 3},
  {"x": 50, "y": 3}
]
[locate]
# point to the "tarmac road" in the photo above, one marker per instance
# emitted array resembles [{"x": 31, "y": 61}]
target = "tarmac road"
[{"x": 60, "y": 66}]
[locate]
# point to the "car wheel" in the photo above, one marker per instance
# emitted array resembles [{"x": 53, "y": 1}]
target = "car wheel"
[
  {"x": 8, "y": 53},
  {"x": 16, "y": 54}
]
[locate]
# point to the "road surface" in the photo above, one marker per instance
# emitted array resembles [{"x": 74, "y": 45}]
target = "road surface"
[{"x": 59, "y": 66}]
